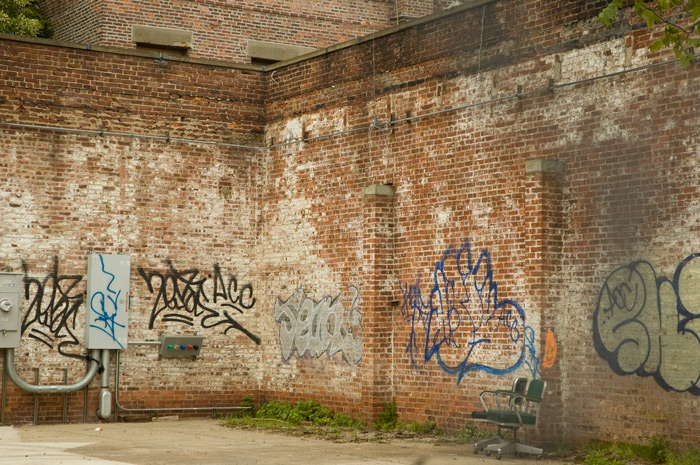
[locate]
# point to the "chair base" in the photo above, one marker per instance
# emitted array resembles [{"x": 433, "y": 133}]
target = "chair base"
[{"x": 501, "y": 446}]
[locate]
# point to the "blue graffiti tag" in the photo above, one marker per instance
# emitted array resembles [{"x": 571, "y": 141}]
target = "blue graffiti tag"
[
  {"x": 462, "y": 319},
  {"x": 102, "y": 310}
]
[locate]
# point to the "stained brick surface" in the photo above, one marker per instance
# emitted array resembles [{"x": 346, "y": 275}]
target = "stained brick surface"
[{"x": 472, "y": 273}]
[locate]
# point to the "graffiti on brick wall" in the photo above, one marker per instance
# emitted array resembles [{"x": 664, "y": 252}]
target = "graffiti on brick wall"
[
  {"x": 185, "y": 296},
  {"x": 330, "y": 326},
  {"x": 649, "y": 325},
  {"x": 461, "y": 322},
  {"x": 52, "y": 304}
]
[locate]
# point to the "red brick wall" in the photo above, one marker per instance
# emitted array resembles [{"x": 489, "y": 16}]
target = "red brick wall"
[
  {"x": 551, "y": 240},
  {"x": 479, "y": 268},
  {"x": 194, "y": 205},
  {"x": 221, "y": 30}
]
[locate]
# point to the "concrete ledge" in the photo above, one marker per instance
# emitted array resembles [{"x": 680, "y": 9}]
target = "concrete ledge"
[
  {"x": 544, "y": 166},
  {"x": 162, "y": 36},
  {"x": 379, "y": 189},
  {"x": 276, "y": 52}
]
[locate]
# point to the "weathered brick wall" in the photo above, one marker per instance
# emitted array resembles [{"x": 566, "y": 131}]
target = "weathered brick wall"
[
  {"x": 440, "y": 209},
  {"x": 472, "y": 212},
  {"x": 187, "y": 213}
]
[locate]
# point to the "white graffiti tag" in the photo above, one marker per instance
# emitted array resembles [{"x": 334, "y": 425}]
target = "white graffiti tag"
[{"x": 310, "y": 327}]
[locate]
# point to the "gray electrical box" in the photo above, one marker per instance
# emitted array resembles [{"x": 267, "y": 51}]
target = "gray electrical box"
[
  {"x": 180, "y": 346},
  {"x": 107, "y": 304},
  {"x": 10, "y": 309}
]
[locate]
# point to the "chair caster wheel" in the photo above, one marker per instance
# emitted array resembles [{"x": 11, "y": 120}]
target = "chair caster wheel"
[
  {"x": 499, "y": 455},
  {"x": 476, "y": 451},
  {"x": 488, "y": 453}
]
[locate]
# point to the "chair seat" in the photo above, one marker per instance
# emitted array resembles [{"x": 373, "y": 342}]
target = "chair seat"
[{"x": 505, "y": 417}]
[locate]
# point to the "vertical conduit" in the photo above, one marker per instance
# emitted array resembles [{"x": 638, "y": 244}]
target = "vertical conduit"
[
  {"x": 2, "y": 403},
  {"x": 65, "y": 396},
  {"x": 36, "y": 397}
]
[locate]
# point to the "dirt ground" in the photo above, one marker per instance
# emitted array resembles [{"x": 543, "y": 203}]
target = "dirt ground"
[{"x": 207, "y": 442}]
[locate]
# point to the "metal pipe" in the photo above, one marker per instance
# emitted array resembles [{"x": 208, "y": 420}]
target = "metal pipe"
[
  {"x": 164, "y": 409},
  {"x": 65, "y": 397},
  {"x": 105, "y": 401},
  {"x": 36, "y": 397},
  {"x": 50, "y": 389},
  {"x": 4, "y": 394}
]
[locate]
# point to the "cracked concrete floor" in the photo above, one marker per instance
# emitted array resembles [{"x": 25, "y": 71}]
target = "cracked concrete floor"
[{"x": 206, "y": 442}]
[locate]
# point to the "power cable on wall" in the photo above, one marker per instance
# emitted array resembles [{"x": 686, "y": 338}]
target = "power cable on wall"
[{"x": 374, "y": 125}]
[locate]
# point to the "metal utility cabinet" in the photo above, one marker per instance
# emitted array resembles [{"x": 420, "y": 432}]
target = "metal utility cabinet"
[
  {"x": 107, "y": 301},
  {"x": 10, "y": 309}
]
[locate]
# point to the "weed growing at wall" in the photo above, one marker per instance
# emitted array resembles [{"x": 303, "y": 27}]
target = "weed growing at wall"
[
  {"x": 388, "y": 418},
  {"x": 304, "y": 411},
  {"x": 657, "y": 451}
]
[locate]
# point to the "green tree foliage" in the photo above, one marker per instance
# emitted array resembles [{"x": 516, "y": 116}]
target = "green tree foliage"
[
  {"x": 681, "y": 20},
  {"x": 21, "y": 17}
]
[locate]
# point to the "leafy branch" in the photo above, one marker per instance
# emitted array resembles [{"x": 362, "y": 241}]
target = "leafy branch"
[
  {"x": 22, "y": 17},
  {"x": 681, "y": 37}
]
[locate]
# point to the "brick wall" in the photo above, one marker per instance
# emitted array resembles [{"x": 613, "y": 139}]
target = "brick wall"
[
  {"x": 541, "y": 221},
  {"x": 467, "y": 209},
  {"x": 181, "y": 210},
  {"x": 221, "y": 29}
]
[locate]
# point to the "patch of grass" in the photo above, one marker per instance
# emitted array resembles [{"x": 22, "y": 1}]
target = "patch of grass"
[
  {"x": 283, "y": 414},
  {"x": 469, "y": 433},
  {"x": 688, "y": 457},
  {"x": 657, "y": 450},
  {"x": 276, "y": 411},
  {"x": 599, "y": 457},
  {"x": 423, "y": 428}
]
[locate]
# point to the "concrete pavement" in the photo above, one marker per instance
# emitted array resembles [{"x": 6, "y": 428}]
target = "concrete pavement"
[{"x": 206, "y": 442}]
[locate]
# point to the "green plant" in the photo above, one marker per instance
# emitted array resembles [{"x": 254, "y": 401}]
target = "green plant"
[
  {"x": 22, "y": 17},
  {"x": 680, "y": 18},
  {"x": 599, "y": 457},
  {"x": 388, "y": 418},
  {"x": 688, "y": 457},
  {"x": 423, "y": 428},
  {"x": 469, "y": 433},
  {"x": 246, "y": 410},
  {"x": 275, "y": 410},
  {"x": 343, "y": 421}
]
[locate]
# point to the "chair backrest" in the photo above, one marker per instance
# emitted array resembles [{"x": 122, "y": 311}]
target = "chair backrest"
[
  {"x": 519, "y": 385},
  {"x": 536, "y": 389}
]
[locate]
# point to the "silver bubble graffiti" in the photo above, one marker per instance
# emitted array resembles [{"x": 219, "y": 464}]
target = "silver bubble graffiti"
[
  {"x": 312, "y": 328},
  {"x": 650, "y": 326}
]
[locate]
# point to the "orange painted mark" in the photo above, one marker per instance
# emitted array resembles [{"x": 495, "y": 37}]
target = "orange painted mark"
[{"x": 550, "y": 350}]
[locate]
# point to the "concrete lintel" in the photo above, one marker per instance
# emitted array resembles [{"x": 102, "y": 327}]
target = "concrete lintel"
[
  {"x": 162, "y": 36},
  {"x": 544, "y": 166},
  {"x": 277, "y": 52},
  {"x": 379, "y": 189}
]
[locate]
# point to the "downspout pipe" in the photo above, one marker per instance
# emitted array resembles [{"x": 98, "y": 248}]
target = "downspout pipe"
[{"x": 49, "y": 389}]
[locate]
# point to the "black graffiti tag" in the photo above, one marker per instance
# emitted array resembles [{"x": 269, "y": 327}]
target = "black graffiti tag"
[
  {"x": 181, "y": 296},
  {"x": 53, "y": 304}
]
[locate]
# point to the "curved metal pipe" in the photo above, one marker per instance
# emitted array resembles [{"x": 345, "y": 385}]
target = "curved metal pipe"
[{"x": 49, "y": 389}]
